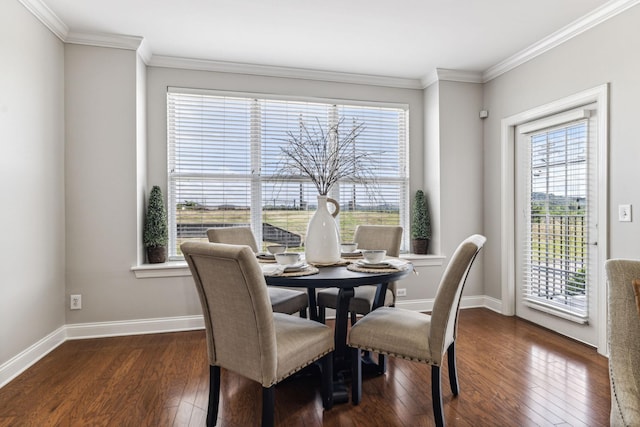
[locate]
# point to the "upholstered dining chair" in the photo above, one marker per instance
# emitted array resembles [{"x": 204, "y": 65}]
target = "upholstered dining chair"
[
  {"x": 367, "y": 237},
  {"x": 623, "y": 335},
  {"x": 283, "y": 300},
  {"x": 416, "y": 336},
  {"x": 244, "y": 335}
]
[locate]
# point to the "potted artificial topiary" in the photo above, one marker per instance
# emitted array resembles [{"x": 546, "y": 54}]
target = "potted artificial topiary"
[
  {"x": 156, "y": 233},
  {"x": 421, "y": 225}
]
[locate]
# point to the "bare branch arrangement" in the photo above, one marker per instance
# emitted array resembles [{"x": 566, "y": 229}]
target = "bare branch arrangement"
[{"x": 327, "y": 157}]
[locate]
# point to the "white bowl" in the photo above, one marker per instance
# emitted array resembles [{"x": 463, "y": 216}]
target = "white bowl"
[
  {"x": 374, "y": 256},
  {"x": 348, "y": 247},
  {"x": 276, "y": 249},
  {"x": 287, "y": 258}
]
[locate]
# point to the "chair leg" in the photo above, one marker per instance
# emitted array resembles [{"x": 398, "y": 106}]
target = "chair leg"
[
  {"x": 214, "y": 395},
  {"x": 321, "y": 314},
  {"x": 327, "y": 381},
  {"x": 382, "y": 364},
  {"x": 436, "y": 396},
  {"x": 354, "y": 318},
  {"x": 268, "y": 406},
  {"x": 303, "y": 313},
  {"x": 356, "y": 376},
  {"x": 453, "y": 372}
]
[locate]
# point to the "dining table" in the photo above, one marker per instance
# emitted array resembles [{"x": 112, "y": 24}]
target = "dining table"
[{"x": 345, "y": 275}]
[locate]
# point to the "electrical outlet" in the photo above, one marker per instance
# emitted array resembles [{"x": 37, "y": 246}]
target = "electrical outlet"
[
  {"x": 75, "y": 302},
  {"x": 401, "y": 292},
  {"x": 624, "y": 213}
]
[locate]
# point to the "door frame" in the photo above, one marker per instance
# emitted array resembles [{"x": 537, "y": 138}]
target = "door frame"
[{"x": 599, "y": 95}]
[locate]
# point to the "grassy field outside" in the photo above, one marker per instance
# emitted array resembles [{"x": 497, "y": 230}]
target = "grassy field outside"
[{"x": 294, "y": 221}]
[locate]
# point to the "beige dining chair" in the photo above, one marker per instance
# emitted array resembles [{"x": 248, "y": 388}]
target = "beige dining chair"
[
  {"x": 623, "y": 335},
  {"x": 367, "y": 237},
  {"x": 283, "y": 300},
  {"x": 244, "y": 335},
  {"x": 416, "y": 336}
]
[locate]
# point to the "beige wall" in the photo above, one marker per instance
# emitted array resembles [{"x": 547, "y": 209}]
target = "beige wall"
[
  {"x": 32, "y": 256},
  {"x": 607, "y": 53},
  {"x": 461, "y": 162},
  {"x": 453, "y": 164},
  {"x": 103, "y": 200}
]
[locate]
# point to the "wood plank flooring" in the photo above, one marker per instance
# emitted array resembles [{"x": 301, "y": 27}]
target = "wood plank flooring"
[{"x": 511, "y": 373}]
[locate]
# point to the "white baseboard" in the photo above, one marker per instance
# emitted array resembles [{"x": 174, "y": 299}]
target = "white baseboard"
[
  {"x": 493, "y": 304},
  {"x": 21, "y": 362},
  {"x": 466, "y": 302},
  {"x": 133, "y": 327}
]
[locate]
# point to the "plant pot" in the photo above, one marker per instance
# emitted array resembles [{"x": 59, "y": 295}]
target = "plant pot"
[
  {"x": 157, "y": 254},
  {"x": 420, "y": 246}
]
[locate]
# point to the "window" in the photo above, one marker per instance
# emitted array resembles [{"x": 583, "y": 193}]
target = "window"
[
  {"x": 223, "y": 157},
  {"x": 556, "y": 257}
]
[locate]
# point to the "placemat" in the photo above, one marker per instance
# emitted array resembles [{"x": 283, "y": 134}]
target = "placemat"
[
  {"x": 350, "y": 255},
  {"x": 277, "y": 271},
  {"x": 396, "y": 265},
  {"x": 341, "y": 262},
  {"x": 306, "y": 272}
]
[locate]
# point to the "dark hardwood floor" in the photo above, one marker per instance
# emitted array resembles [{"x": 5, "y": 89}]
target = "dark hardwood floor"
[{"x": 512, "y": 373}]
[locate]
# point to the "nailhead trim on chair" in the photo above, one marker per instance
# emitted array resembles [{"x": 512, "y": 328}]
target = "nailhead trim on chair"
[
  {"x": 399, "y": 356},
  {"x": 615, "y": 395},
  {"x": 293, "y": 371}
]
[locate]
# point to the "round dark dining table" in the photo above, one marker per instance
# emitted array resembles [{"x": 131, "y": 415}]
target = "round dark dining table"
[{"x": 346, "y": 280}]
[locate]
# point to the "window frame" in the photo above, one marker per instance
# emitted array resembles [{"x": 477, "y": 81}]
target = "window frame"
[{"x": 257, "y": 208}]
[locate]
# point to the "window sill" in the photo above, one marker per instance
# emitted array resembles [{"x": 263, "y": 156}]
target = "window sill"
[
  {"x": 181, "y": 269},
  {"x": 166, "y": 269},
  {"x": 424, "y": 260}
]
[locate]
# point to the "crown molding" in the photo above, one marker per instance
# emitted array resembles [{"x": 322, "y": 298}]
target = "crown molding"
[
  {"x": 45, "y": 15},
  {"x": 144, "y": 51},
  {"x": 115, "y": 41},
  {"x": 459, "y": 75},
  {"x": 42, "y": 12},
  {"x": 429, "y": 79},
  {"x": 444, "y": 74},
  {"x": 590, "y": 20},
  {"x": 283, "y": 72}
]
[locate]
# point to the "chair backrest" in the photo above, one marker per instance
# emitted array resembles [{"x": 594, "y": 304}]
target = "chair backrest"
[
  {"x": 237, "y": 311},
  {"x": 387, "y": 237},
  {"x": 624, "y": 340},
  {"x": 444, "y": 317},
  {"x": 233, "y": 236}
]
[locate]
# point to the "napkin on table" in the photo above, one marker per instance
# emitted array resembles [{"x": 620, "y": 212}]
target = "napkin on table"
[
  {"x": 399, "y": 264},
  {"x": 272, "y": 269}
]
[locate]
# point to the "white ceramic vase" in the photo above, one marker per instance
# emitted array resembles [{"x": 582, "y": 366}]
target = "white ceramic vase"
[{"x": 322, "y": 243}]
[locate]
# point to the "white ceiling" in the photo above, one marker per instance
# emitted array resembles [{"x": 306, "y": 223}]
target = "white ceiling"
[{"x": 405, "y": 39}]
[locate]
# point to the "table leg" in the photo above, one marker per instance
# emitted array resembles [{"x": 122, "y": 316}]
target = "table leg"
[
  {"x": 341, "y": 352},
  {"x": 342, "y": 317},
  {"x": 313, "y": 306}
]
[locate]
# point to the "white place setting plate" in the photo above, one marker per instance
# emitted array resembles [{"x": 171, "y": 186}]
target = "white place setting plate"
[
  {"x": 295, "y": 267},
  {"x": 355, "y": 254},
  {"x": 383, "y": 264}
]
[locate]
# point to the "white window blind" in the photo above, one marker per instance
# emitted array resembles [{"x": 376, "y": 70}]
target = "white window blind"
[
  {"x": 224, "y": 156},
  {"x": 556, "y": 254}
]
